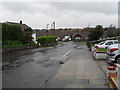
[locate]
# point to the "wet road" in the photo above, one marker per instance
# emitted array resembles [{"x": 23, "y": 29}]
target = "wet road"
[
  {"x": 81, "y": 71},
  {"x": 64, "y": 66},
  {"x": 33, "y": 68}
]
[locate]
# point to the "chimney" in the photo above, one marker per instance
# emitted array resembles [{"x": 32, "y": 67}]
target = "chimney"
[{"x": 20, "y": 21}]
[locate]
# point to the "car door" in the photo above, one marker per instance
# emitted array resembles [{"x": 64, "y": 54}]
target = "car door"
[{"x": 108, "y": 43}]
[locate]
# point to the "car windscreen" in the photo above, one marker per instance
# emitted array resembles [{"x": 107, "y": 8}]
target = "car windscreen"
[{"x": 101, "y": 43}]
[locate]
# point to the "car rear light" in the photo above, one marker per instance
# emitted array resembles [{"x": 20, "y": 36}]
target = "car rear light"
[
  {"x": 96, "y": 47},
  {"x": 114, "y": 49}
]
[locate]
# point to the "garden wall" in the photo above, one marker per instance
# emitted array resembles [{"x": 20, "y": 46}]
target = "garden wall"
[{"x": 11, "y": 49}]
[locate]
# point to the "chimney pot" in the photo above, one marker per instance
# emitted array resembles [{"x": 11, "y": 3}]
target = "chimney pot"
[{"x": 20, "y": 22}]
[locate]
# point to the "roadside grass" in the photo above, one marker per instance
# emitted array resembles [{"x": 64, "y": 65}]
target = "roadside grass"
[
  {"x": 61, "y": 43},
  {"x": 102, "y": 49},
  {"x": 84, "y": 43},
  {"x": 17, "y": 45},
  {"x": 13, "y": 45}
]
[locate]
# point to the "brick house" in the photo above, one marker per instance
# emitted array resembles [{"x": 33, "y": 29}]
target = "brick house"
[{"x": 78, "y": 37}]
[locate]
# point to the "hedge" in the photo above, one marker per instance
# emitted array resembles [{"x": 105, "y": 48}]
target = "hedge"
[
  {"x": 14, "y": 43},
  {"x": 11, "y": 32},
  {"x": 47, "y": 40}
]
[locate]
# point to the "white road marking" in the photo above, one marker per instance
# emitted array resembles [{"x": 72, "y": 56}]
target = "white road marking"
[
  {"x": 62, "y": 55},
  {"x": 66, "y": 53}
]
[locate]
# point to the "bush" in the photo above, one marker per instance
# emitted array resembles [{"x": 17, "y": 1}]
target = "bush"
[
  {"x": 33, "y": 44},
  {"x": 12, "y": 43},
  {"x": 42, "y": 40},
  {"x": 47, "y": 40}
]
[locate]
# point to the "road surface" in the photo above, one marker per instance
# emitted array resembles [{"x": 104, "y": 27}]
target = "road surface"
[{"x": 45, "y": 68}]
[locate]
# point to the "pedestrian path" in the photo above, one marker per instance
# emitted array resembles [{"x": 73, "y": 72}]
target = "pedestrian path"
[{"x": 80, "y": 71}]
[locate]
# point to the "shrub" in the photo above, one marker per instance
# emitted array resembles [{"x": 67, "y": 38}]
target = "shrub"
[
  {"x": 42, "y": 40},
  {"x": 33, "y": 44},
  {"x": 46, "y": 40}
]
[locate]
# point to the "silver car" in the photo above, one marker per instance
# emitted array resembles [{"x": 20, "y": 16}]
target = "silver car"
[
  {"x": 113, "y": 53},
  {"x": 105, "y": 44}
]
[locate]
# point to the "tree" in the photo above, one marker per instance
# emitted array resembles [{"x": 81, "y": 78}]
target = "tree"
[
  {"x": 27, "y": 36},
  {"x": 118, "y": 32},
  {"x": 111, "y": 31},
  {"x": 96, "y": 33}
]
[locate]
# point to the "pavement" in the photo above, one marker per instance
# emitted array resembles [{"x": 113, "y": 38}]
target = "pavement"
[
  {"x": 64, "y": 66},
  {"x": 80, "y": 71}
]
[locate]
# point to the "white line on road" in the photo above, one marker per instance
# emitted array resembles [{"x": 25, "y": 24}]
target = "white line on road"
[{"x": 66, "y": 53}]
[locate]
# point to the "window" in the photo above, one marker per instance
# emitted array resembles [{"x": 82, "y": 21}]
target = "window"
[
  {"x": 77, "y": 38},
  {"x": 117, "y": 42},
  {"x": 101, "y": 43},
  {"x": 109, "y": 43}
]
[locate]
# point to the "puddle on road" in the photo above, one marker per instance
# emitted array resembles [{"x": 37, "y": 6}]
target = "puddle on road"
[
  {"x": 15, "y": 64},
  {"x": 78, "y": 47},
  {"x": 42, "y": 61},
  {"x": 47, "y": 65},
  {"x": 42, "y": 51}
]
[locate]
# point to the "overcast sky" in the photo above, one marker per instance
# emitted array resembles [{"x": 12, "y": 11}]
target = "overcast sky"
[{"x": 66, "y": 14}]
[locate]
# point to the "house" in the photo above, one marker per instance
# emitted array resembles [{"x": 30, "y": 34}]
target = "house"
[
  {"x": 78, "y": 37},
  {"x": 61, "y": 33},
  {"x": 26, "y": 30},
  {"x": 23, "y": 26}
]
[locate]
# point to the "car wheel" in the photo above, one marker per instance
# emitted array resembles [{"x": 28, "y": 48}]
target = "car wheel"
[{"x": 118, "y": 59}]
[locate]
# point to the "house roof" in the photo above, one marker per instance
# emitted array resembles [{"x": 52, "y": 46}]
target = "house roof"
[
  {"x": 23, "y": 26},
  {"x": 77, "y": 35},
  {"x": 61, "y": 33}
]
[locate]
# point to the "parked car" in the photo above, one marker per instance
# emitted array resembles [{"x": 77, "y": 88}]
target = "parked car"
[
  {"x": 66, "y": 38},
  {"x": 106, "y": 43},
  {"x": 113, "y": 53}
]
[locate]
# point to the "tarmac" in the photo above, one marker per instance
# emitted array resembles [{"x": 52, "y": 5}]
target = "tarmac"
[{"x": 80, "y": 71}]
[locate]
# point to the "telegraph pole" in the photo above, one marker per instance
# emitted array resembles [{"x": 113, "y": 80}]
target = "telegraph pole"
[
  {"x": 51, "y": 28},
  {"x": 88, "y": 25},
  {"x": 54, "y": 27},
  {"x": 47, "y": 26},
  {"x": 47, "y": 30}
]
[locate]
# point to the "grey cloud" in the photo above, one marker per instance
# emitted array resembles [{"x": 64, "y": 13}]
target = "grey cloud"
[
  {"x": 17, "y": 7},
  {"x": 102, "y": 7},
  {"x": 68, "y": 14},
  {"x": 55, "y": 7}
]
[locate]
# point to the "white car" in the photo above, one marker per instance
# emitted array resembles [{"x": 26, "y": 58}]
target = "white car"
[
  {"x": 105, "y": 44},
  {"x": 113, "y": 53}
]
